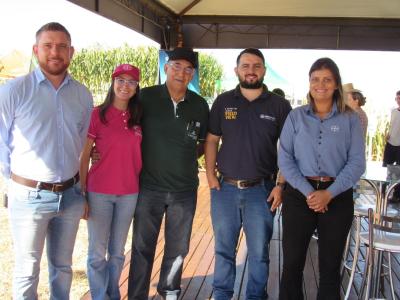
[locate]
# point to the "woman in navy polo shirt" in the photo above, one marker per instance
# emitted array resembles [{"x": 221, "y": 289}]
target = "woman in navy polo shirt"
[
  {"x": 321, "y": 156},
  {"x": 112, "y": 182}
]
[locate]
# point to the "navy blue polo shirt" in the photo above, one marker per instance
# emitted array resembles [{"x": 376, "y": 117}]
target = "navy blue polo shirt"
[{"x": 249, "y": 132}]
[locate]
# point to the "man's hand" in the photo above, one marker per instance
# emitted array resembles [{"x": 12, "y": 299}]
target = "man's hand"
[
  {"x": 85, "y": 215},
  {"x": 94, "y": 156},
  {"x": 318, "y": 200},
  {"x": 213, "y": 181},
  {"x": 276, "y": 197}
]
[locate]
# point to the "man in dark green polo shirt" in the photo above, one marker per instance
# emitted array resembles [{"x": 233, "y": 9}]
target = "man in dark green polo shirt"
[{"x": 174, "y": 128}]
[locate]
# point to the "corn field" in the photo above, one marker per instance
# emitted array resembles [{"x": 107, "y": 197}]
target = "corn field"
[
  {"x": 376, "y": 141},
  {"x": 93, "y": 67}
]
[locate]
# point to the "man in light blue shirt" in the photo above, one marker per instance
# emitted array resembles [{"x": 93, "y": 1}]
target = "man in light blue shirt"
[{"x": 44, "y": 118}]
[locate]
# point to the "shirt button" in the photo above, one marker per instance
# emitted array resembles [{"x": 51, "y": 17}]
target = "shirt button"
[
  {"x": 319, "y": 143},
  {"x": 124, "y": 121},
  {"x": 126, "y": 127}
]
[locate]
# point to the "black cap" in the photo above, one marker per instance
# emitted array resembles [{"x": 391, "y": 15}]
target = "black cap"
[{"x": 183, "y": 53}]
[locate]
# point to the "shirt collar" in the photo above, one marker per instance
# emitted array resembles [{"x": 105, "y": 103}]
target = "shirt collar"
[
  {"x": 265, "y": 93},
  {"x": 41, "y": 77},
  {"x": 168, "y": 96},
  {"x": 333, "y": 111}
]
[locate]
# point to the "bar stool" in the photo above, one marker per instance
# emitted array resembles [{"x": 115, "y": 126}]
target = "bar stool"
[
  {"x": 383, "y": 236},
  {"x": 360, "y": 213}
]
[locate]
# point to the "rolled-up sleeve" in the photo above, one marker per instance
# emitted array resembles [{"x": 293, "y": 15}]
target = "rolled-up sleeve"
[
  {"x": 355, "y": 165},
  {"x": 6, "y": 120},
  {"x": 286, "y": 157}
]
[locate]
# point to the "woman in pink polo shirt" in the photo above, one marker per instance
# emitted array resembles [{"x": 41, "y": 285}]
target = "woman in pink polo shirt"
[{"x": 112, "y": 184}]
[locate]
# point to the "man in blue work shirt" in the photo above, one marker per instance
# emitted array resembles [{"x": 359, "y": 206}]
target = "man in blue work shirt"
[{"x": 44, "y": 118}]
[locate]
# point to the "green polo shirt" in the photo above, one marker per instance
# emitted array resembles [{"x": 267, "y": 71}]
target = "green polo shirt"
[{"x": 169, "y": 144}]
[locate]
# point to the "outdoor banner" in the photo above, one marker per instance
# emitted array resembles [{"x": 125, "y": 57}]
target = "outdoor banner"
[{"x": 163, "y": 59}]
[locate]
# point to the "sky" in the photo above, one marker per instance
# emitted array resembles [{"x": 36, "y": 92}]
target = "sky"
[{"x": 374, "y": 73}]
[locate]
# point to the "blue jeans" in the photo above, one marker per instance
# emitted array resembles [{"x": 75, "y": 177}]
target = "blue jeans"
[
  {"x": 110, "y": 217},
  {"x": 36, "y": 216},
  {"x": 179, "y": 209},
  {"x": 232, "y": 208}
]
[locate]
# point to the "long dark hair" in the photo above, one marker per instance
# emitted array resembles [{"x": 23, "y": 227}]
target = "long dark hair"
[
  {"x": 329, "y": 64},
  {"x": 134, "y": 107}
]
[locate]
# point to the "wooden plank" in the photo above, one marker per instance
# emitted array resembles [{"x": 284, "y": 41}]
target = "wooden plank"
[{"x": 202, "y": 271}]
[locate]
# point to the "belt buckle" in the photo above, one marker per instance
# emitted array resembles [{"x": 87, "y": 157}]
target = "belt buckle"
[
  {"x": 239, "y": 184},
  {"x": 55, "y": 187},
  {"x": 323, "y": 179}
]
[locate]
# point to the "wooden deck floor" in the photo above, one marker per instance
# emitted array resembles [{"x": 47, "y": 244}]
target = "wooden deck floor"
[{"x": 199, "y": 264}]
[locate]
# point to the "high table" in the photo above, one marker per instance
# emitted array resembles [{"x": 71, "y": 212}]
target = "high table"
[{"x": 378, "y": 177}]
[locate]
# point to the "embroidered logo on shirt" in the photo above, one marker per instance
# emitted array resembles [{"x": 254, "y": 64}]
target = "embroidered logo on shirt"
[
  {"x": 230, "y": 113},
  {"x": 266, "y": 117},
  {"x": 335, "y": 128},
  {"x": 137, "y": 130}
]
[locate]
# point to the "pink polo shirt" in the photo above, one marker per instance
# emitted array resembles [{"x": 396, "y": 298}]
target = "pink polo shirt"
[{"x": 117, "y": 171}]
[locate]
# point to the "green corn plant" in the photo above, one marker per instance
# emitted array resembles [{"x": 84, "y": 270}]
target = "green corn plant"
[
  {"x": 93, "y": 67},
  {"x": 377, "y": 142}
]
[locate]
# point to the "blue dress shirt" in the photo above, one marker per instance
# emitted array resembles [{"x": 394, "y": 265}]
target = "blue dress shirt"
[
  {"x": 333, "y": 146},
  {"x": 43, "y": 130}
]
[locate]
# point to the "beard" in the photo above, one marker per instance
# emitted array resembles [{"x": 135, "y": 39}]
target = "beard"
[
  {"x": 53, "y": 69},
  {"x": 251, "y": 85}
]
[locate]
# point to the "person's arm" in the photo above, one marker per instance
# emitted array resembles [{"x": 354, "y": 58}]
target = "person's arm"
[
  {"x": 211, "y": 150},
  {"x": 287, "y": 161},
  {"x": 276, "y": 194},
  {"x": 6, "y": 120},
  {"x": 84, "y": 163},
  {"x": 355, "y": 164}
]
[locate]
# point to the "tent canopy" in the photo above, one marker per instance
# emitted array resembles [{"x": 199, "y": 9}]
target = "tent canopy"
[{"x": 305, "y": 24}]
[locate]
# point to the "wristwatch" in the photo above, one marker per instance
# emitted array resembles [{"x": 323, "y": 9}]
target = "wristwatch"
[{"x": 281, "y": 184}]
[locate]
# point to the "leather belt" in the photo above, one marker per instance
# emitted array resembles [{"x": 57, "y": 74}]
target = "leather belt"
[
  {"x": 242, "y": 184},
  {"x": 53, "y": 187},
  {"x": 321, "y": 178}
]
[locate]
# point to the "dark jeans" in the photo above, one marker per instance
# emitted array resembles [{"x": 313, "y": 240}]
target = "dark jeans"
[
  {"x": 299, "y": 223},
  {"x": 231, "y": 210},
  {"x": 179, "y": 209},
  {"x": 391, "y": 155}
]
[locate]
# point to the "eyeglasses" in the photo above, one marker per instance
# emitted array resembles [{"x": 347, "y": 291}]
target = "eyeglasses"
[
  {"x": 177, "y": 67},
  {"x": 129, "y": 82}
]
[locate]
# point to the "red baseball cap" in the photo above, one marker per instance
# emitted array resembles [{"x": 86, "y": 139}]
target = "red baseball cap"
[{"x": 127, "y": 69}]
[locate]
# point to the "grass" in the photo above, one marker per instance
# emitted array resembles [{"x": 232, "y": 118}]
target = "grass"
[{"x": 79, "y": 282}]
